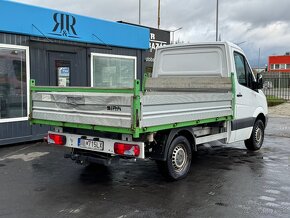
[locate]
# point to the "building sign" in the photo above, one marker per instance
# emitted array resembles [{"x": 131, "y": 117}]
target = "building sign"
[
  {"x": 29, "y": 20},
  {"x": 157, "y": 38},
  {"x": 154, "y": 43},
  {"x": 64, "y": 25}
]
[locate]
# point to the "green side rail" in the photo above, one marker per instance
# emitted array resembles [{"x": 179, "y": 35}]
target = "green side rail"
[
  {"x": 136, "y": 110},
  {"x": 233, "y": 95},
  {"x": 35, "y": 88},
  {"x": 135, "y": 130}
]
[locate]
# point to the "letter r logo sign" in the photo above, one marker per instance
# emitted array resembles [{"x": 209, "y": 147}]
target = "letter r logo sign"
[{"x": 64, "y": 24}]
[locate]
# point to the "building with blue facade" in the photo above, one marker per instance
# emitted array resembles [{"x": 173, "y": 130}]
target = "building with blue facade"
[{"x": 59, "y": 49}]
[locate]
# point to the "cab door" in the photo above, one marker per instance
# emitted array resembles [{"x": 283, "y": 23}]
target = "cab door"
[{"x": 246, "y": 98}]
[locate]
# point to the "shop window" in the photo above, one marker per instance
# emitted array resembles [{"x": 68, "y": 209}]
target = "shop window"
[
  {"x": 113, "y": 71},
  {"x": 282, "y": 66},
  {"x": 287, "y": 66},
  {"x": 272, "y": 66},
  {"x": 14, "y": 78},
  {"x": 277, "y": 66}
]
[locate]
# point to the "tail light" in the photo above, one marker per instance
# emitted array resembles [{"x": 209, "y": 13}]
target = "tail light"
[
  {"x": 126, "y": 149},
  {"x": 56, "y": 139}
]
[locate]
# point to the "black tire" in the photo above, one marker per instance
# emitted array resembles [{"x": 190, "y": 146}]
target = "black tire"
[
  {"x": 255, "y": 142},
  {"x": 178, "y": 161}
]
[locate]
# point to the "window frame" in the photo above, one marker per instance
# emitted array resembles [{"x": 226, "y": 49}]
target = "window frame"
[
  {"x": 246, "y": 77},
  {"x": 246, "y": 65},
  {"x": 252, "y": 80},
  {"x": 282, "y": 67},
  {"x": 27, "y": 59},
  {"x": 93, "y": 54}
]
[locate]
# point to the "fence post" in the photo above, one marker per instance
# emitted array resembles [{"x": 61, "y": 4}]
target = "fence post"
[{"x": 279, "y": 81}]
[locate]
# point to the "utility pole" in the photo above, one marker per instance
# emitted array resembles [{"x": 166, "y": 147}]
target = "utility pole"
[
  {"x": 259, "y": 58},
  {"x": 139, "y": 12},
  {"x": 217, "y": 20},
  {"x": 158, "y": 14}
]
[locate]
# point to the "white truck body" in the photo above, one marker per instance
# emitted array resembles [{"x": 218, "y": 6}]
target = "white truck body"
[{"x": 190, "y": 82}]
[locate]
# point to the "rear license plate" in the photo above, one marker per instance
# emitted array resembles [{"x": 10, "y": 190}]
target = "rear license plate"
[{"x": 91, "y": 144}]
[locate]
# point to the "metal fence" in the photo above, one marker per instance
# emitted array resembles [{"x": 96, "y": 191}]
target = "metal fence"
[{"x": 276, "y": 85}]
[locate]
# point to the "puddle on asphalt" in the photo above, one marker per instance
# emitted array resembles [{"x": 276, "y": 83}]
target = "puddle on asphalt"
[
  {"x": 266, "y": 198},
  {"x": 272, "y": 182},
  {"x": 271, "y": 191},
  {"x": 26, "y": 157},
  {"x": 271, "y": 204},
  {"x": 285, "y": 188}
]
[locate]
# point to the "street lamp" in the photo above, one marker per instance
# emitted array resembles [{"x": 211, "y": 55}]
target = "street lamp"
[
  {"x": 217, "y": 21},
  {"x": 158, "y": 18},
  {"x": 173, "y": 31},
  {"x": 139, "y": 12},
  {"x": 239, "y": 43},
  {"x": 259, "y": 58}
]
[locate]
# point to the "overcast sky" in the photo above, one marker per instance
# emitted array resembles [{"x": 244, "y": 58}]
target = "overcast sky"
[{"x": 263, "y": 24}]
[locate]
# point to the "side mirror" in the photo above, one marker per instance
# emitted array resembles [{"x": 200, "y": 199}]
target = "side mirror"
[{"x": 259, "y": 83}]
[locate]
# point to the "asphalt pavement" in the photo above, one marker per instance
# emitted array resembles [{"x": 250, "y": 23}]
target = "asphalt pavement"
[{"x": 225, "y": 181}]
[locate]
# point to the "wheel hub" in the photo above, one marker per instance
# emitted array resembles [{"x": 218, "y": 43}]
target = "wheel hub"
[
  {"x": 258, "y": 135},
  {"x": 179, "y": 158}
]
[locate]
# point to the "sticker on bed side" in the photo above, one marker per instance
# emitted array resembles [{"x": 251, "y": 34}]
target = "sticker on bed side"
[{"x": 46, "y": 97}]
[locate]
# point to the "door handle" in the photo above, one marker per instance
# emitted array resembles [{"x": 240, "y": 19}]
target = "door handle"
[{"x": 239, "y": 95}]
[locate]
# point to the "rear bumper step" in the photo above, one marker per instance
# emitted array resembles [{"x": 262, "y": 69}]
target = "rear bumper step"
[{"x": 82, "y": 159}]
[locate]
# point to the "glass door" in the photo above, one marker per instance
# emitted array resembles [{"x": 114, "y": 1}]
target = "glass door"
[{"x": 63, "y": 69}]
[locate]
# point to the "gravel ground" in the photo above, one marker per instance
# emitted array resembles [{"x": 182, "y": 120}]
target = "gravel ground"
[{"x": 280, "y": 110}]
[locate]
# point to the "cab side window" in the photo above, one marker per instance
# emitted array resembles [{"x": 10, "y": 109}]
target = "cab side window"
[
  {"x": 240, "y": 69},
  {"x": 243, "y": 70}
]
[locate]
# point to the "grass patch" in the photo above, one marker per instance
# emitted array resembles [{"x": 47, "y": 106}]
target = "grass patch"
[{"x": 273, "y": 100}]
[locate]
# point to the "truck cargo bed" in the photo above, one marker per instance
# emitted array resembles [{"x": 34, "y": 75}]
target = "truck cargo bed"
[
  {"x": 116, "y": 110},
  {"x": 164, "y": 102}
]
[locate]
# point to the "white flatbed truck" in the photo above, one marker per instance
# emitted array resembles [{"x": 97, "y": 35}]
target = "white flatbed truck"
[{"x": 198, "y": 93}]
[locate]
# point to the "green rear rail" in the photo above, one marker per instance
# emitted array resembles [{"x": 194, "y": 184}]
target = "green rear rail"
[{"x": 135, "y": 130}]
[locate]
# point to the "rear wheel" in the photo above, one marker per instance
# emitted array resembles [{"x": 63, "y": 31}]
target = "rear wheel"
[
  {"x": 255, "y": 142},
  {"x": 178, "y": 162}
]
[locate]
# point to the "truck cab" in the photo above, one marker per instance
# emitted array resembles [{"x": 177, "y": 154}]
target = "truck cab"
[{"x": 251, "y": 102}]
